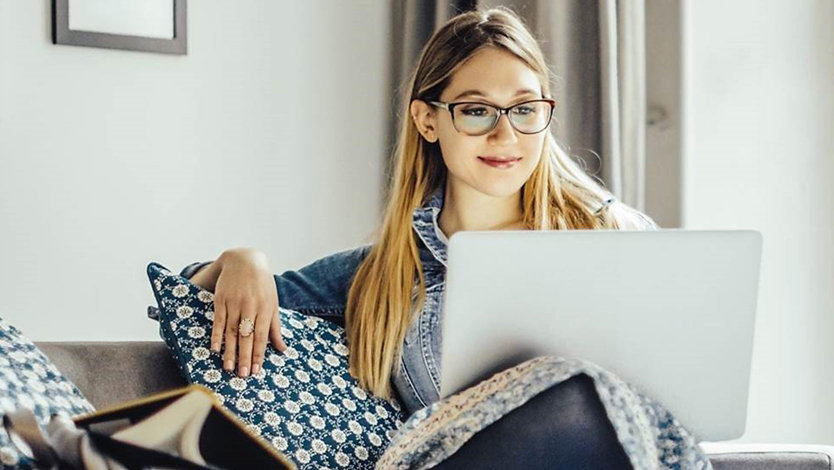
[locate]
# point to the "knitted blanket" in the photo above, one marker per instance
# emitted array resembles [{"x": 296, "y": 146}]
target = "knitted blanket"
[{"x": 651, "y": 437}]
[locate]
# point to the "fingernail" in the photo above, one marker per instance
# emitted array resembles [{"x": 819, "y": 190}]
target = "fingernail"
[
  {"x": 229, "y": 365},
  {"x": 215, "y": 347},
  {"x": 244, "y": 371},
  {"x": 255, "y": 368}
]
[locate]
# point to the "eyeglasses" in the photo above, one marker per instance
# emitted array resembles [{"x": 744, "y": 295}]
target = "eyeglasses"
[{"x": 473, "y": 118}]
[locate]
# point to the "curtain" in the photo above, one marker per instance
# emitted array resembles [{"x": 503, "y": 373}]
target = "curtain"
[
  {"x": 412, "y": 23},
  {"x": 597, "y": 53}
]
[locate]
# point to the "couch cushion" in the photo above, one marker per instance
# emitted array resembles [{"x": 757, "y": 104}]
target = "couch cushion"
[
  {"x": 109, "y": 373},
  {"x": 28, "y": 379},
  {"x": 771, "y": 461},
  {"x": 303, "y": 401}
]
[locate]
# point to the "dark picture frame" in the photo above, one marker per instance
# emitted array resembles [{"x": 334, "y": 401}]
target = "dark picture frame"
[{"x": 62, "y": 34}]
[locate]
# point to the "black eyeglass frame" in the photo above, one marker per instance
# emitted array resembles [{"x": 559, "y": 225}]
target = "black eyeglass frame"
[{"x": 501, "y": 111}]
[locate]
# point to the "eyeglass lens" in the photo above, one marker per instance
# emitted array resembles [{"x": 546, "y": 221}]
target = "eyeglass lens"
[{"x": 477, "y": 118}]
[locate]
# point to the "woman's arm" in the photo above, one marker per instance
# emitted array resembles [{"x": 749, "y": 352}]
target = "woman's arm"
[
  {"x": 245, "y": 308},
  {"x": 321, "y": 288},
  {"x": 248, "y": 290},
  {"x": 318, "y": 289},
  {"x": 203, "y": 274}
]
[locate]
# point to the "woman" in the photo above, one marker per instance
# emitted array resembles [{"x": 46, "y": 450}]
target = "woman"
[{"x": 474, "y": 153}]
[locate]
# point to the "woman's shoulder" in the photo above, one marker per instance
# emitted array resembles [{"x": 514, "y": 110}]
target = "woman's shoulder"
[{"x": 627, "y": 217}]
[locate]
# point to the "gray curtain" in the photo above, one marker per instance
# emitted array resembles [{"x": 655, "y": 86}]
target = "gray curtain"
[
  {"x": 597, "y": 53},
  {"x": 412, "y": 23}
]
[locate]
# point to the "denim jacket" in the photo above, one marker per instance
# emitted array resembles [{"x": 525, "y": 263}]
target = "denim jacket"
[{"x": 321, "y": 287}]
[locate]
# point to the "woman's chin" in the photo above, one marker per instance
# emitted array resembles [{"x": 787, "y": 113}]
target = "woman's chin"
[{"x": 500, "y": 190}]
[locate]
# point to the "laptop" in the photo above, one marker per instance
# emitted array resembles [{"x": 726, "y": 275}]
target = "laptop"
[{"x": 669, "y": 311}]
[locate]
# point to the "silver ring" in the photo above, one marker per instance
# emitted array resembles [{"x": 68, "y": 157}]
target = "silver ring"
[{"x": 246, "y": 327}]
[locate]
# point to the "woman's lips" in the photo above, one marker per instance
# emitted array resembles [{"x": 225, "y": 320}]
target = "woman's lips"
[{"x": 499, "y": 162}]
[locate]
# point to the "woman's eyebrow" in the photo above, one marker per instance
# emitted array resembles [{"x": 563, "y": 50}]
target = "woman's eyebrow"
[{"x": 523, "y": 91}]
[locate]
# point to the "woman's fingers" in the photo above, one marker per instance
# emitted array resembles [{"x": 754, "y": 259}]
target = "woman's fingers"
[
  {"x": 218, "y": 327},
  {"x": 245, "y": 304},
  {"x": 245, "y": 339},
  {"x": 275, "y": 332},
  {"x": 260, "y": 337},
  {"x": 230, "y": 351}
]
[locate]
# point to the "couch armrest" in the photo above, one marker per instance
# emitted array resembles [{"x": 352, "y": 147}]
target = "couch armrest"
[{"x": 744, "y": 456}]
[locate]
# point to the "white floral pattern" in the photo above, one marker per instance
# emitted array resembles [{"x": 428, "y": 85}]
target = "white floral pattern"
[{"x": 297, "y": 400}]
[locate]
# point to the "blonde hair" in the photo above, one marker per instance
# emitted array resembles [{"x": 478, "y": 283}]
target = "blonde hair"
[{"x": 388, "y": 287}]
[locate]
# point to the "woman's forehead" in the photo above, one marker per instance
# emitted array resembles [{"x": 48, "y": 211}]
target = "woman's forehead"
[{"x": 495, "y": 75}]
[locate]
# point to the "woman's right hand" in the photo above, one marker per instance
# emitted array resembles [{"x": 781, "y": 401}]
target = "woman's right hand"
[{"x": 244, "y": 292}]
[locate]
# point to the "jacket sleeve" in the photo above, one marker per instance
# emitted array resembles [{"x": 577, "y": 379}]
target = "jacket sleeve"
[
  {"x": 192, "y": 268},
  {"x": 318, "y": 289},
  {"x": 321, "y": 288}
]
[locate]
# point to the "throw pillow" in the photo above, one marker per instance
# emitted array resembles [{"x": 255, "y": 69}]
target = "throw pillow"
[
  {"x": 303, "y": 401},
  {"x": 28, "y": 379}
]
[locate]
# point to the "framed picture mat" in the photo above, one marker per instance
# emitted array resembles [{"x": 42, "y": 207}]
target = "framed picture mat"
[{"x": 62, "y": 34}]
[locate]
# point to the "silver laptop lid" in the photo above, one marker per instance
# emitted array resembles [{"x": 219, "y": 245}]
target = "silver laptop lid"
[{"x": 669, "y": 311}]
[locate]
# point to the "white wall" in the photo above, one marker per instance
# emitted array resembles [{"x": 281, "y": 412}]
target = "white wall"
[
  {"x": 759, "y": 153},
  {"x": 267, "y": 134}
]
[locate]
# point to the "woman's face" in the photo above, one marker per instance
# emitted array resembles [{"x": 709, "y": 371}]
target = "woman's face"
[{"x": 501, "y": 79}]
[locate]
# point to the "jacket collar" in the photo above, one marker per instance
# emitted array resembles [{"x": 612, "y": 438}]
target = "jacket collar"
[{"x": 424, "y": 222}]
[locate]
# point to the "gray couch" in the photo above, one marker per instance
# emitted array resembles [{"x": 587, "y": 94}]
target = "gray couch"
[{"x": 111, "y": 372}]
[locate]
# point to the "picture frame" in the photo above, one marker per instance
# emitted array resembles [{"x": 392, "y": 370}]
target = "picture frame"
[{"x": 62, "y": 34}]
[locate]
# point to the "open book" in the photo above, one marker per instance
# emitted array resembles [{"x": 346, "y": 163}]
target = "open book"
[{"x": 187, "y": 422}]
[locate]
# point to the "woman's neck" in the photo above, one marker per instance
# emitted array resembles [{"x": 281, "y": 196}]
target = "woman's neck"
[{"x": 471, "y": 210}]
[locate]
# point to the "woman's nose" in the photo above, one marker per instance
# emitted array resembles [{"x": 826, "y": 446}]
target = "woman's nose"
[{"x": 504, "y": 132}]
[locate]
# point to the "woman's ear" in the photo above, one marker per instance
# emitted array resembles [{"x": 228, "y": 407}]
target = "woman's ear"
[{"x": 425, "y": 119}]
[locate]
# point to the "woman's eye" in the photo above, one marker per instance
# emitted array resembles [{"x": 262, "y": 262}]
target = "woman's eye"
[
  {"x": 524, "y": 110},
  {"x": 476, "y": 111}
]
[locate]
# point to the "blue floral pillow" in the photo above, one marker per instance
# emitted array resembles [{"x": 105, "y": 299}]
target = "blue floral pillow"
[
  {"x": 303, "y": 401},
  {"x": 28, "y": 379}
]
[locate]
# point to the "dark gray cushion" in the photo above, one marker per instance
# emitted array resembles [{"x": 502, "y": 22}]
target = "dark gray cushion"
[
  {"x": 771, "y": 461},
  {"x": 108, "y": 373}
]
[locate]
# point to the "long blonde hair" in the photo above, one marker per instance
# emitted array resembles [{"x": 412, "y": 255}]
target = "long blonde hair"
[{"x": 388, "y": 287}]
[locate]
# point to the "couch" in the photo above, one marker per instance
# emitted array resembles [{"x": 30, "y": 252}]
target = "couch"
[{"x": 112, "y": 372}]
